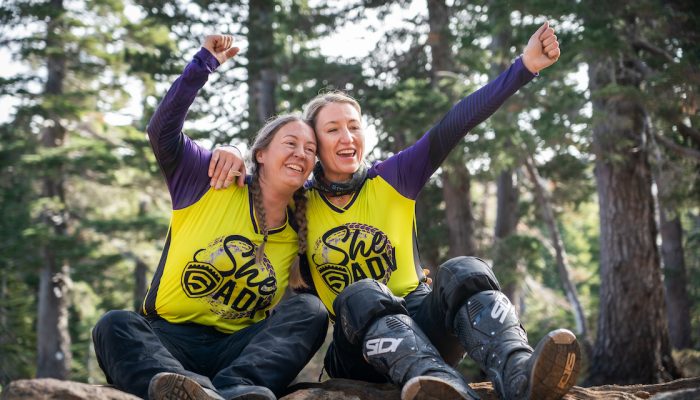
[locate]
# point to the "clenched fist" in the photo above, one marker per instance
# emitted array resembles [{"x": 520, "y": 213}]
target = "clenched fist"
[
  {"x": 221, "y": 47},
  {"x": 542, "y": 49}
]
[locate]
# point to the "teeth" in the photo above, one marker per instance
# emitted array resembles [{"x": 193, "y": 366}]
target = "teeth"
[
  {"x": 294, "y": 167},
  {"x": 346, "y": 152}
]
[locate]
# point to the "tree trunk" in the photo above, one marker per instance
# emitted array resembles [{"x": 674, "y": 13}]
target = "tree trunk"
[
  {"x": 672, "y": 255},
  {"x": 456, "y": 180},
  {"x": 505, "y": 263},
  {"x": 544, "y": 205},
  {"x": 140, "y": 283},
  {"x": 346, "y": 389},
  {"x": 505, "y": 260},
  {"x": 632, "y": 344},
  {"x": 3, "y": 308},
  {"x": 262, "y": 75},
  {"x": 456, "y": 185},
  {"x": 675, "y": 280},
  {"x": 140, "y": 270},
  {"x": 53, "y": 338}
]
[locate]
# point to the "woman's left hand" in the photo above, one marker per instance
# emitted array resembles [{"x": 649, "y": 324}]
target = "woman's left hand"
[
  {"x": 542, "y": 49},
  {"x": 226, "y": 165}
]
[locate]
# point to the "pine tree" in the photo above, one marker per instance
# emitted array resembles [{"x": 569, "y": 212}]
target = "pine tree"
[
  {"x": 69, "y": 158},
  {"x": 632, "y": 344}
]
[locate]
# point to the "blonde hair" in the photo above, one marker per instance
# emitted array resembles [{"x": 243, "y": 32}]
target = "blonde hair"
[
  {"x": 262, "y": 141},
  {"x": 313, "y": 107}
]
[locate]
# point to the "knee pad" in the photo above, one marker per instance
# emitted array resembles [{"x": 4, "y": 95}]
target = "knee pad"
[
  {"x": 460, "y": 278},
  {"x": 361, "y": 303},
  {"x": 489, "y": 328}
]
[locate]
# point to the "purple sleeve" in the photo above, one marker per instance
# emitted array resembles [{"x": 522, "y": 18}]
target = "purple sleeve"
[
  {"x": 183, "y": 162},
  {"x": 410, "y": 169}
]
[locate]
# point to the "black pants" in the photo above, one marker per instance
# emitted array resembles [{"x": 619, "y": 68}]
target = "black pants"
[
  {"x": 432, "y": 309},
  {"x": 131, "y": 349}
]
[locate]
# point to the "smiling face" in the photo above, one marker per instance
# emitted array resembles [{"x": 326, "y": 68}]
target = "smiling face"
[
  {"x": 289, "y": 158},
  {"x": 341, "y": 140}
]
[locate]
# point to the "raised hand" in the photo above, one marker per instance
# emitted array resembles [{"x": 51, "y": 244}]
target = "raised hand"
[
  {"x": 221, "y": 47},
  {"x": 225, "y": 165},
  {"x": 542, "y": 49}
]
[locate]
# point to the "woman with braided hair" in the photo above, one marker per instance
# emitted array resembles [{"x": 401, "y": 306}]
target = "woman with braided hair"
[
  {"x": 207, "y": 328},
  {"x": 364, "y": 265}
]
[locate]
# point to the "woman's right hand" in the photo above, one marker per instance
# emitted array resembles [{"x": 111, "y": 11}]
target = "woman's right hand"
[
  {"x": 221, "y": 47},
  {"x": 226, "y": 164}
]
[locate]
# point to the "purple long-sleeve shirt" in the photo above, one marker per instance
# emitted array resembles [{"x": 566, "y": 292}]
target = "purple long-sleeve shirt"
[
  {"x": 184, "y": 163},
  {"x": 409, "y": 170}
]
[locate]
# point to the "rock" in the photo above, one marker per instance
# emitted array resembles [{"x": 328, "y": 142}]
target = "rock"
[{"x": 54, "y": 389}]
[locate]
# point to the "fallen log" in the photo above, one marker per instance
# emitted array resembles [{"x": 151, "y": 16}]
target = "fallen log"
[{"x": 344, "y": 389}]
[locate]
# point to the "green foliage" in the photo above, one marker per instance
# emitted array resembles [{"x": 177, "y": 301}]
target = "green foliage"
[
  {"x": 404, "y": 112},
  {"x": 99, "y": 169},
  {"x": 18, "y": 261},
  {"x": 17, "y": 312},
  {"x": 116, "y": 203}
]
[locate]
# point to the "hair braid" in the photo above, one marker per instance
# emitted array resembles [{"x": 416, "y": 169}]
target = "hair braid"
[
  {"x": 260, "y": 212},
  {"x": 262, "y": 140},
  {"x": 296, "y": 281}
]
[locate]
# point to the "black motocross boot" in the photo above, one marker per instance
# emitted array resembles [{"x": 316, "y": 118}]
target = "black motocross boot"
[
  {"x": 395, "y": 346},
  {"x": 490, "y": 331}
]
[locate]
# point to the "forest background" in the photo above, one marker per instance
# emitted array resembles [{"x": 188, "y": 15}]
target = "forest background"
[{"x": 583, "y": 193}]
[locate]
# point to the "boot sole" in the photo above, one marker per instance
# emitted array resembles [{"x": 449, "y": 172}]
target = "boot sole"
[
  {"x": 557, "y": 361},
  {"x": 430, "y": 388},
  {"x": 169, "y": 386}
]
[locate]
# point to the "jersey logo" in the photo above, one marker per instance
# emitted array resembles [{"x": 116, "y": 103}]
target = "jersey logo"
[
  {"x": 382, "y": 345},
  {"x": 354, "y": 251},
  {"x": 226, "y": 276}
]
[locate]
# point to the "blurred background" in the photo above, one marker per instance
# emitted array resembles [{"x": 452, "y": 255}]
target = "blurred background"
[{"x": 582, "y": 190}]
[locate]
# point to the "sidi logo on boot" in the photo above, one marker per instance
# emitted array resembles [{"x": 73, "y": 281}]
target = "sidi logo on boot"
[
  {"x": 501, "y": 308},
  {"x": 382, "y": 345},
  {"x": 568, "y": 369}
]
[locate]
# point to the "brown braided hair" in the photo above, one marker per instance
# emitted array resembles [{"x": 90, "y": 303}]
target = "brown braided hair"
[
  {"x": 296, "y": 280},
  {"x": 262, "y": 141}
]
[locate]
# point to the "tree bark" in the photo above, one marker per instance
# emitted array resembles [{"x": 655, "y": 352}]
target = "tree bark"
[
  {"x": 345, "y": 389},
  {"x": 675, "y": 280},
  {"x": 140, "y": 283},
  {"x": 53, "y": 339},
  {"x": 456, "y": 185},
  {"x": 505, "y": 260},
  {"x": 262, "y": 75},
  {"x": 456, "y": 179},
  {"x": 505, "y": 264},
  {"x": 672, "y": 255},
  {"x": 632, "y": 344},
  {"x": 140, "y": 271}
]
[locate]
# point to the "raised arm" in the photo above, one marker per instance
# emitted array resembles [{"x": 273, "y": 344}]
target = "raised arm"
[
  {"x": 183, "y": 162},
  {"x": 410, "y": 169}
]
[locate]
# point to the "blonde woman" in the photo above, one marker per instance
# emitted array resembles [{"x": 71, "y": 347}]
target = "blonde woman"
[{"x": 364, "y": 265}]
